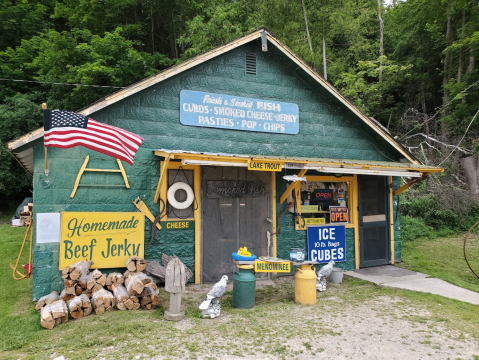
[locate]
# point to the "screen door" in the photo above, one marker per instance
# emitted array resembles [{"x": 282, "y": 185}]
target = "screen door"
[
  {"x": 236, "y": 212},
  {"x": 373, "y": 221}
]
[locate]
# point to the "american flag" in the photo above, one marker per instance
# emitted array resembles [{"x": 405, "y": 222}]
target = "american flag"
[{"x": 66, "y": 129}]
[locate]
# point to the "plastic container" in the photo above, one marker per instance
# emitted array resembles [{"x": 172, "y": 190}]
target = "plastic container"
[
  {"x": 28, "y": 268},
  {"x": 336, "y": 276},
  {"x": 305, "y": 285},
  {"x": 244, "y": 287},
  {"x": 296, "y": 254}
]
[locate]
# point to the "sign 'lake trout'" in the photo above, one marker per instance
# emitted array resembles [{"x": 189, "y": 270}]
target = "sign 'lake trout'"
[
  {"x": 238, "y": 113},
  {"x": 108, "y": 239}
]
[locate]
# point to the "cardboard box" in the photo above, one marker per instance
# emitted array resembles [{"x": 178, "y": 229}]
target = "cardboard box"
[{"x": 24, "y": 217}]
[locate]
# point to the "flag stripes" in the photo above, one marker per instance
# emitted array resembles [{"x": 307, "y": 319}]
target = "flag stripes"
[{"x": 65, "y": 130}]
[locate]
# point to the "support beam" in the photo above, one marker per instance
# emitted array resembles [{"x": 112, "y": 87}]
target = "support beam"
[
  {"x": 162, "y": 177},
  {"x": 408, "y": 185},
  {"x": 291, "y": 187}
]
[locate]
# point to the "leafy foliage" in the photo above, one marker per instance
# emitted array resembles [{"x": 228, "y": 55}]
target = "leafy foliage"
[{"x": 425, "y": 89}]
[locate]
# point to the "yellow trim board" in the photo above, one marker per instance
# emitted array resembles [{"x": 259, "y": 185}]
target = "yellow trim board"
[
  {"x": 307, "y": 163},
  {"x": 273, "y": 191},
  {"x": 391, "y": 217},
  {"x": 197, "y": 215},
  {"x": 355, "y": 217}
]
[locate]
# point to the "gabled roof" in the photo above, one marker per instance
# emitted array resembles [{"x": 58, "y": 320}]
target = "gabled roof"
[{"x": 188, "y": 64}]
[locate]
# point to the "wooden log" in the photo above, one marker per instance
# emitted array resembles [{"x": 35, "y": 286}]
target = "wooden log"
[
  {"x": 76, "y": 270},
  {"x": 95, "y": 281},
  {"x": 54, "y": 313},
  {"x": 135, "y": 283},
  {"x": 156, "y": 271},
  {"x": 47, "y": 324},
  {"x": 102, "y": 301},
  {"x": 65, "y": 297},
  {"x": 145, "y": 289},
  {"x": 122, "y": 298},
  {"x": 114, "y": 279},
  {"x": 136, "y": 302},
  {"x": 47, "y": 299},
  {"x": 151, "y": 299},
  {"x": 80, "y": 306},
  {"x": 135, "y": 264}
]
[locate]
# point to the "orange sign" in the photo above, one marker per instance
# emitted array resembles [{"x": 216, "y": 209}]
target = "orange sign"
[{"x": 339, "y": 214}]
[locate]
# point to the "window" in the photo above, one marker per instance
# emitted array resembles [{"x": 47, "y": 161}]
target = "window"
[{"x": 313, "y": 201}]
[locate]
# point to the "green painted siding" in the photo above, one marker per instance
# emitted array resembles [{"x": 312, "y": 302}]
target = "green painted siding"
[{"x": 327, "y": 129}]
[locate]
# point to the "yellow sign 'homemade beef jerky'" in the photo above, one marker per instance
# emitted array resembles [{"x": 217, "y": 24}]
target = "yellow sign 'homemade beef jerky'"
[{"x": 108, "y": 239}]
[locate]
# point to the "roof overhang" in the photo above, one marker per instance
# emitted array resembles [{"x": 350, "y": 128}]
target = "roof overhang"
[{"x": 335, "y": 166}]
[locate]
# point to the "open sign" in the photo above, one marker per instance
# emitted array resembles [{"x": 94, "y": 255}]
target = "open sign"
[
  {"x": 338, "y": 214},
  {"x": 323, "y": 195}
]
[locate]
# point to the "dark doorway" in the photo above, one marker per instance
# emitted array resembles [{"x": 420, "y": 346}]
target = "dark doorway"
[
  {"x": 236, "y": 206},
  {"x": 373, "y": 221}
]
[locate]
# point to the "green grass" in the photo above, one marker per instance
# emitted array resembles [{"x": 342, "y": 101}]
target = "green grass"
[
  {"x": 6, "y": 216},
  {"x": 264, "y": 329},
  {"x": 441, "y": 258}
]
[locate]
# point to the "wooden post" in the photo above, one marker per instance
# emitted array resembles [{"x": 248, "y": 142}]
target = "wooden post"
[
  {"x": 175, "y": 285},
  {"x": 44, "y": 107}
]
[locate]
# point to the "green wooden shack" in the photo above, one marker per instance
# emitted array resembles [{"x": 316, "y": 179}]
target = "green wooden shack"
[{"x": 244, "y": 145}]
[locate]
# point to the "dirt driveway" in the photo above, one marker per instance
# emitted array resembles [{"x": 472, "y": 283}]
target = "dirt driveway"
[{"x": 354, "y": 320}]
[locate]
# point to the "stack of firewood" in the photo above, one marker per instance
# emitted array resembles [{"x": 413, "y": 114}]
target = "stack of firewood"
[
  {"x": 150, "y": 299},
  {"x": 136, "y": 282},
  {"x": 124, "y": 300},
  {"x": 136, "y": 264},
  {"x": 53, "y": 314},
  {"x": 75, "y": 277},
  {"x": 102, "y": 301},
  {"x": 127, "y": 291},
  {"x": 114, "y": 279},
  {"x": 80, "y": 306},
  {"x": 46, "y": 300},
  {"x": 95, "y": 281}
]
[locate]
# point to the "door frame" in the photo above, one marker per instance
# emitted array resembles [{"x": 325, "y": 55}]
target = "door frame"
[{"x": 361, "y": 225}]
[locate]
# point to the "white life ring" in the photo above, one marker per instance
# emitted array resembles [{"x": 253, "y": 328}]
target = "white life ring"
[{"x": 190, "y": 196}]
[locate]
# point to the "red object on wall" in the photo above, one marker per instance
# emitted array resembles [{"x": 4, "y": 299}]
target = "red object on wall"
[{"x": 28, "y": 268}]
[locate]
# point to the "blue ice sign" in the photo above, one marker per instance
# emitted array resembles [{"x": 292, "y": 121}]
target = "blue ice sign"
[
  {"x": 326, "y": 243},
  {"x": 238, "y": 113}
]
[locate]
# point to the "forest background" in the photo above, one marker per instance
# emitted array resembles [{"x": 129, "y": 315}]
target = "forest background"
[{"x": 409, "y": 65}]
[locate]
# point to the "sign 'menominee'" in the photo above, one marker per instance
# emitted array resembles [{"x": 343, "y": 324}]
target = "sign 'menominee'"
[
  {"x": 108, "y": 239},
  {"x": 238, "y": 113}
]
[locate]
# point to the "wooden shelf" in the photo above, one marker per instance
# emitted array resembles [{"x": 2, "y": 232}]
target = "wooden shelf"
[{"x": 316, "y": 212}]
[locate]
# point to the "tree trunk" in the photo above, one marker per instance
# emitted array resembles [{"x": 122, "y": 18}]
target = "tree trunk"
[
  {"x": 426, "y": 122},
  {"x": 461, "y": 51},
  {"x": 325, "y": 69},
  {"x": 470, "y": 165},
  {"x": 309, "y": 38},
  {"x": 152, "y": 32},
  {"x": 381, "y": 40},
  {"x": 445, "y": 78}
]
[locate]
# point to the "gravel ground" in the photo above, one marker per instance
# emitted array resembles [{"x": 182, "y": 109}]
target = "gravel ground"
[{"x": 342, "y": 325}]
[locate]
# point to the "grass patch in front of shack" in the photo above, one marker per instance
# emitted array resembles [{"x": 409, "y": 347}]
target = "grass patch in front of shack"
[
  {"x": 442, "y": 258},
  {"x": 267, "y": 329}
]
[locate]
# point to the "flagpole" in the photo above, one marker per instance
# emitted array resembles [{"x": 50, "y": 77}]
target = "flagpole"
[{"x": 44, "y": 107}]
